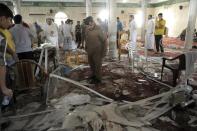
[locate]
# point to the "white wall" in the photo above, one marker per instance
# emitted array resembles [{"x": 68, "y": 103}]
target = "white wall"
[
  {"x": 78, "y": 13},
  {"x": 74, "y": 13},
  {"x": 176, "y": 19}
]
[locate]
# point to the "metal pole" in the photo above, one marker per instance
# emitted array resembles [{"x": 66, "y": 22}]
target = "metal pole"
[{"x": 191, "y": 24}]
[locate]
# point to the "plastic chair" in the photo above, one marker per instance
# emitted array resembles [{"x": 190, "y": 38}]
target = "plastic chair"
[{"x": 176, "y": 68}]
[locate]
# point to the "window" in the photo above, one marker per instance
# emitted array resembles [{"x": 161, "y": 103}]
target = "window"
[{"x": 60, "y": 16}]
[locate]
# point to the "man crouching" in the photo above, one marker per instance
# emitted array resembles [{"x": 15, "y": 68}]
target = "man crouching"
[{"x": 96, "y": 47}]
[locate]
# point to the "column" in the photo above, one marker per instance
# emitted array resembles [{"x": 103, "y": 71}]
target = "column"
[
  {"x": 191, "y": 24},
  {"x": 144, "y": 13},
  {"x": 112, "y": 27},
  {"x": 88, "y": 8},
  {"x": 17, "y": 6},
  {"x": 143, "y": 33}
]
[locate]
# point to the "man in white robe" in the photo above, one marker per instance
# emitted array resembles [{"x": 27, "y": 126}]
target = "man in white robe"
[
  {"x": 51, "y": 32},
  {"x": 133, "y": 32},
  {"x": 150, "y": 34}
]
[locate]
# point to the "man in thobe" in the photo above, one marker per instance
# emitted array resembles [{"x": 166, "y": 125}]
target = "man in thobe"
[
  {"x": 133, "y": 32},
  {"x": 51, "y": 32},
  {"x": 150, "y": 34},
  {"x": 96, "y": 43},
  {"x": 68, "y": 35}
]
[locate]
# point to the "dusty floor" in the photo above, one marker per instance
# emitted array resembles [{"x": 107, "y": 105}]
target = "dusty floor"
[{"x": 119, "y": 83}]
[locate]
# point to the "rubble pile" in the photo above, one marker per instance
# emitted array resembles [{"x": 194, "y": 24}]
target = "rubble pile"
[{"x": 126, "y": 101}]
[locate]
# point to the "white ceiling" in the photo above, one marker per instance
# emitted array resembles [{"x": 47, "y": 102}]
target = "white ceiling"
[{"x": 119, "y": 1}]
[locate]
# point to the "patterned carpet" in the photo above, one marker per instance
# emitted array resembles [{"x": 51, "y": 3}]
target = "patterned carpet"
[{"x": 173, "y": 42}]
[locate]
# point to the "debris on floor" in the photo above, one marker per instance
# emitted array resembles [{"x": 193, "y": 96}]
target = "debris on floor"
[{"x": 125, "y": 101}]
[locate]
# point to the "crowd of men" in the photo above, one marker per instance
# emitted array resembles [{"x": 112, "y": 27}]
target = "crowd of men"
[
  {"x": 154, "y": 32},
  {"x": 16, "y": 42}
]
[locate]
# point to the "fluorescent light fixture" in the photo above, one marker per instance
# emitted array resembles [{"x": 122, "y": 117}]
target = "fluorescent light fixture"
[{"x": 124, "y": 1}]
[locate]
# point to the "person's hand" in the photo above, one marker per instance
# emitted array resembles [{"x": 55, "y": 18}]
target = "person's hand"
[{"x": 7, "y": 92}]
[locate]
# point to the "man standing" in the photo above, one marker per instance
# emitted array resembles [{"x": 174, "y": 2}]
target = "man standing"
[
  {"x": 150, "y": 34},
  {"x": 5, "y": 22},
  {"x": 159, "y": 32},
  {"x": 119, "y": 29},
  {"x": 22, "y": 37},
  {"x": 51, "y": 32},
  {"x": 96, "y": 43},
  {"x": 83, "y": 28},
  {"x": 133, "y": 32},
  {"x": 68, "y": 35},
  {"x": 78, "y": 34}
]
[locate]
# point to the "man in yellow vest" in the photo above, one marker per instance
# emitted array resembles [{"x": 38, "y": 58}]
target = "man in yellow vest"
[
  {"x": 159, "y": 32},
  {"x": 5, "y": 21}
]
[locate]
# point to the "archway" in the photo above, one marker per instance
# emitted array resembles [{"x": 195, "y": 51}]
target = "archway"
[{"x": 60, "y": 16}]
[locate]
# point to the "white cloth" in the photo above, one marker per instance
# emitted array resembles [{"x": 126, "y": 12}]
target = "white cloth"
[
  {"x": 51, "y": 33},
  {"x": 191, "y": 58},
  {"x": 150, "y": 38},
  {"x": 133, "y": 34},
  {"x": 22, "y": 38},
  {"x": 67, "y": 29}
]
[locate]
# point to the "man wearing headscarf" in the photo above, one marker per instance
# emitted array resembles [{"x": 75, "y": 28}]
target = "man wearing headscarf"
[{"x": 51, "y": 32}]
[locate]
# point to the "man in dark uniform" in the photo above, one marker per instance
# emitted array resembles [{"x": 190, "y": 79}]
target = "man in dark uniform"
[
  {"x": 96, "y": 47},
  {"x": 78, "y": 34},
  {"x": 83, "y": 28}
]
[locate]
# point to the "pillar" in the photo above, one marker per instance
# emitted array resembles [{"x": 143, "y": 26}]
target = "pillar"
[
  {"x": 191, "y": 24},
  {"x": 17, "y": 6},
  {"x": 144, "y": 13},
  {"x": 112, "y": 27},
  {"x": 88, "y": 8}
]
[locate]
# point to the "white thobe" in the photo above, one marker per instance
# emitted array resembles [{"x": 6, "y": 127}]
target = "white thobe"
[
  {"x": 133, "y": 34},
  {"x": 150, "y": 34},
  {"x": 51, "y": 33}
]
